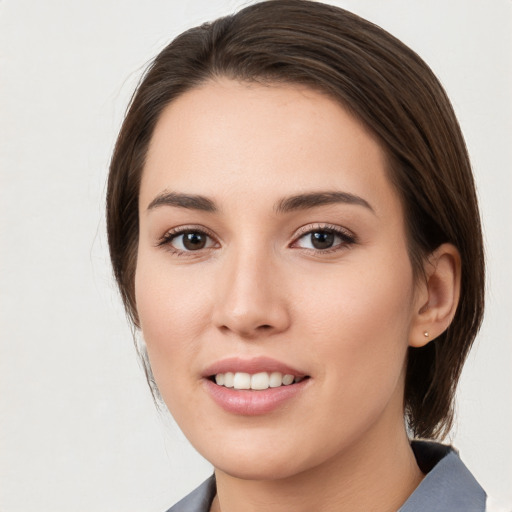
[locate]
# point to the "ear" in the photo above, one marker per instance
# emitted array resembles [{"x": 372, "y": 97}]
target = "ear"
[{"x": 437, "y": 295}]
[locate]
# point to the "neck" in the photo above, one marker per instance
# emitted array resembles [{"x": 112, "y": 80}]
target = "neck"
[{"x": 372, "y": 472}]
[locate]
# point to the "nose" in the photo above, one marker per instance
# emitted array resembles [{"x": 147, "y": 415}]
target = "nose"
[{"x": 251, "y": 299}]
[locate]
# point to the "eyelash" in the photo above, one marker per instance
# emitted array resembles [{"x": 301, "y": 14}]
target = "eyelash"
[
  {"x": 170, "y": 236},
  {"x": 347, "y": 238}
]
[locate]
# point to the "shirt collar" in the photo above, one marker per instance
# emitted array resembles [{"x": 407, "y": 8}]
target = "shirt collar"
[{"x": 448, "y": 484}]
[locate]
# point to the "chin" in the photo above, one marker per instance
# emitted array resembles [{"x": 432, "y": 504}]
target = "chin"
[
  {"x": 260, "y": 460},
  {"x": 258, "y": 470}
]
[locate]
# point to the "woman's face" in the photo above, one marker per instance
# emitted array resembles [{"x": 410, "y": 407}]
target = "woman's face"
[{"x": 272, "y": 243}]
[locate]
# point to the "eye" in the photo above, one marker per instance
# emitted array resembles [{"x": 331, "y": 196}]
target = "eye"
[
  {"x": 187, "y": 240},
  {"x": 324, "y": 239}
]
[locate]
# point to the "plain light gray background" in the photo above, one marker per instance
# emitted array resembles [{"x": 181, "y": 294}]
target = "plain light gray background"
[{"x": 78, "y": 430}]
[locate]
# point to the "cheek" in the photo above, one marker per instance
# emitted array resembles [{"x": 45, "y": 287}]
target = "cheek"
[
  {"x": 171, "y": 312},
  {"x": 361, "y": 327},
  {"x": 168, "y": 298}
]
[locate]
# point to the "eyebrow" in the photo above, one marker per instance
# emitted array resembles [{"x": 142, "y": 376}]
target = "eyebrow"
[
  {"x": 314, "y": 199},
  {"x": 285, "y": 205},
  {"x": 189, "y": 201}
]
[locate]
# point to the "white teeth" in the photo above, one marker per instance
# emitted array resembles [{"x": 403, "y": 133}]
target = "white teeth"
[
  {"x": 257, "y": 381},
  {"x": 276, "y": 379},
  {"x": 288, "y": 379},
  {"x": 228, "y": 379},
  {"x": 242, "y": 381},
  {"x": 260, "y": 381}
]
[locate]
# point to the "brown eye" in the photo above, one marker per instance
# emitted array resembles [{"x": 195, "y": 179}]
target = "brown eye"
[
  {"x": 187, "y": 241},
  {"x": 322, "y": 239},
  {"x": 193, "y": 241}
]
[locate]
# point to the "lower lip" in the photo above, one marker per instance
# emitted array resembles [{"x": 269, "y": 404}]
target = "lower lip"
[{"x": 253, "y": 403}]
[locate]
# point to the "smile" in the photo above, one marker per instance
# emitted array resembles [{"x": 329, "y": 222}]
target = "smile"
[
  {"x": 257, "y": 381},
  {"x": 255, "y": 386}
]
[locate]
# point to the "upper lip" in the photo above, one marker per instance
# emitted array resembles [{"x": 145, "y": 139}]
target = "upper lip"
[{"x": 252, "y": 366}]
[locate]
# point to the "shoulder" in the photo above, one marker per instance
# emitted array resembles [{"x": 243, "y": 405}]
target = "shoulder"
[
  {"x": 199, "y": 500},
  {"x": 448, "y": 483}
]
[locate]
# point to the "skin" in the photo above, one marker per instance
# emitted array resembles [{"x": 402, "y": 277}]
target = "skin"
[{"x": 344, "y": 316}]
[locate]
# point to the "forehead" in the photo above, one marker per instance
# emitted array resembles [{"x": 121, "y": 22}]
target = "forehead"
[{"x": 231, "y": 140}]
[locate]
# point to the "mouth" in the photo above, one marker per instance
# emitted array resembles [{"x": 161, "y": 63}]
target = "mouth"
[
  {"x": 257, "y": 381},
  {"x": 256, "y": 386}
]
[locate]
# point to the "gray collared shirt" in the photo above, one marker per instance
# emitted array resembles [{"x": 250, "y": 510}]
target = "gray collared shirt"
[{"x": 447, "y": 487}]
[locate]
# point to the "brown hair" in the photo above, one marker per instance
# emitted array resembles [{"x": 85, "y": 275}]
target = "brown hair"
[{"x": 392, "y": 91}]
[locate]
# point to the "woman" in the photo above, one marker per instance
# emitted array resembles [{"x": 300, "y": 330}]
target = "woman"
[{"x": 293, "y": 226}]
